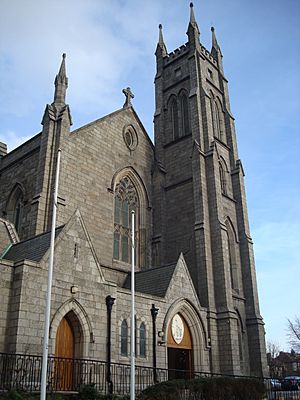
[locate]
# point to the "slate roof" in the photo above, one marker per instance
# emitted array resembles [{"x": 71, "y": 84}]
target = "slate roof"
[
  {"x": 31, "y": 249},
  {"x": 154, "y": 281}
]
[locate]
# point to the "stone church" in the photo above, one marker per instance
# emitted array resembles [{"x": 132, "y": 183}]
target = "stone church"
[{"x": 195, "y": 274}]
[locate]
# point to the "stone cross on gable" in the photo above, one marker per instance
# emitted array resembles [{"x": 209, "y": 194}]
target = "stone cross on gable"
[{"x": 129, "y": 95}]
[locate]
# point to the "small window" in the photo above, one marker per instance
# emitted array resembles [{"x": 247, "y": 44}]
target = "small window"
[
  {"x": 178, "y": 73},
  {"x": 130, "y": 137},
  {"x": 174, "y": 119},
  {"x": 223, "y": 179},
  {"x": 210, "y": 74},
  {"x": 124, "y": 338},
  {"x": 184, "y": 110},
  {"x": 142, "y": 340}
]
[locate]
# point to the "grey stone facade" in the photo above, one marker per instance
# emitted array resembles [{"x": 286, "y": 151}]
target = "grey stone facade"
[{"x": 194, "y": 250}]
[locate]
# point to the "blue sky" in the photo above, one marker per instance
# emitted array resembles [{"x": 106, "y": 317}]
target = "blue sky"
[{"x": 110, "y": 45}]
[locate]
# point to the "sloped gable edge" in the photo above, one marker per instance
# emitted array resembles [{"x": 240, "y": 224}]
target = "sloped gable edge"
[{"x": 75, "y": 218}]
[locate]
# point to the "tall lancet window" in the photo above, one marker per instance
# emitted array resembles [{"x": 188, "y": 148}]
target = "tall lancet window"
[
  {"x": 224, "y": 176},
  {"x": 220, "y": 123},
  {"x": 124, "y": 338},
  {"x": 142, "y": 340},
  {"x": 184, "y": 112},
  {"x": 218, "y": 120},
  {"x": 126, "y": 200},
  {"x": 15, "y": 205},
  {"x": 174, "y": 119},
  {"x": 232, "y": 254}
]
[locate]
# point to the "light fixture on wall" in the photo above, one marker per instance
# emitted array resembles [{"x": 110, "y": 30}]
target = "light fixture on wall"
[
  {"x": 74, "y": 289},
  {"x": 161, "y": 335}
]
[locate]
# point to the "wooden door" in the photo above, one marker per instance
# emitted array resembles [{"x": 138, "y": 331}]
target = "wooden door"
[
  {"x": 64, "y": 350},
  {"x": 179, "y": 363},
  {"x": 180, "y": 352}
]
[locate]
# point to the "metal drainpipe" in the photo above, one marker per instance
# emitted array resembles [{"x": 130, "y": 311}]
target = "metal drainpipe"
[
  {"x": 154, "y": 312},
  {"x": 109, "y": 303}
]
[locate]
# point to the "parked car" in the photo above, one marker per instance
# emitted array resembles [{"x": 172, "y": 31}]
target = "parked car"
[
  {"x": 275, "y": 384},
  {"x": 291, "y": 383}
]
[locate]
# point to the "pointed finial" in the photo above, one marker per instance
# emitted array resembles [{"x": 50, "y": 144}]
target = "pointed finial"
[
  {"x": 161, "y": 44},
  {"x": 193, "y": 31},
  {"x": 61, "y": 83},
  {"x": 128, "y": 95},
  {"x": 215, "y": 48},
  {"x": 192, "y": 15},
  {"x": 214, "y": 39},
  {"x": 160, "y": 39},
  {"x": 62, "y": 69}
]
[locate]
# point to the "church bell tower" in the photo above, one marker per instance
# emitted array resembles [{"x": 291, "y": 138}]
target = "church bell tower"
[{"x": 199, "y": 199}]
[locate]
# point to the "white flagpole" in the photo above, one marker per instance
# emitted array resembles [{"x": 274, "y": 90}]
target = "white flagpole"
[
  {"x": 132, "y": 333},
  {"x": 49, "y": 286}
]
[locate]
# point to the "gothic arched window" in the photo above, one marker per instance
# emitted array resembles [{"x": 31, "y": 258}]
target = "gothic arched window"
[
  {"x": 174, "y": 119},
  {"x": 15, "y": 205},
  {"x": 142, "y": 340},
  {"x": 184, "y": 112},
  {"x": 232, "y": 254},
  {"x": 220, "y": 123},
  {"x": 217, "y": 115},
  {"x": 241, "y": 339},
  {"x": 126, "y": 200},
  {"x": 223, "y": 179},
  {"x": 124, "y": 338}
]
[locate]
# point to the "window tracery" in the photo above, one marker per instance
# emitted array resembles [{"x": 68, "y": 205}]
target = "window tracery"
[{"x": 126, "y": 200}]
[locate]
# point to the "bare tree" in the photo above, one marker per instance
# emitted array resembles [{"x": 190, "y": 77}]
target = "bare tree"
[
  {"x": 294, "y": 333},
  {"x": 273, "y": 349}
]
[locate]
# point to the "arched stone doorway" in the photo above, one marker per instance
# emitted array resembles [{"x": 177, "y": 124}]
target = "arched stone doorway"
[
  {"x": 65, "y": 340},
  {"x": 180, "y": 348},
  {"x": 68, "y": 346},
  {"x": 196, "y": 330}
]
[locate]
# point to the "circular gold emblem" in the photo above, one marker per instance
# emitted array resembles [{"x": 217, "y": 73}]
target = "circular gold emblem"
[{"x": 177, "y": 328}]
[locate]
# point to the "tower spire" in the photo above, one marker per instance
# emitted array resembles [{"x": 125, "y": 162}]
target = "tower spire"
[
  {"x": 161, "y": 44},
  {"x": 215, "y": 49},
  {"x": 61, "y": 84},
  {"x": 192, "y": 15},
  {"x": 215, "y": 45},
  {"x": 193, "y": 31}
]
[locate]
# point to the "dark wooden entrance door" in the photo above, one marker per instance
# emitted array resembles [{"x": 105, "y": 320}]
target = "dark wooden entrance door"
[
  {"x": 180, "y": 363},
  {"x": 64, "y": 350}
]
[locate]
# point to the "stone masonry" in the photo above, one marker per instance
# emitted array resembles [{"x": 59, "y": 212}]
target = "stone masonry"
[{"x": 194, "y": 249}]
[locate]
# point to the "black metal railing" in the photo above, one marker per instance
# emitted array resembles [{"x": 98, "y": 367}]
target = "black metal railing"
[{"x": 23, "y": 372}]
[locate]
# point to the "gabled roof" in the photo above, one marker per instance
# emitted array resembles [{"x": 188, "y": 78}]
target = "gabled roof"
[
  {"x": 154, "y": 281},
  {"x": 112, "y": 114},
  {"x": 31, "y": 249},
  {"x": 285, "y": 357}
]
